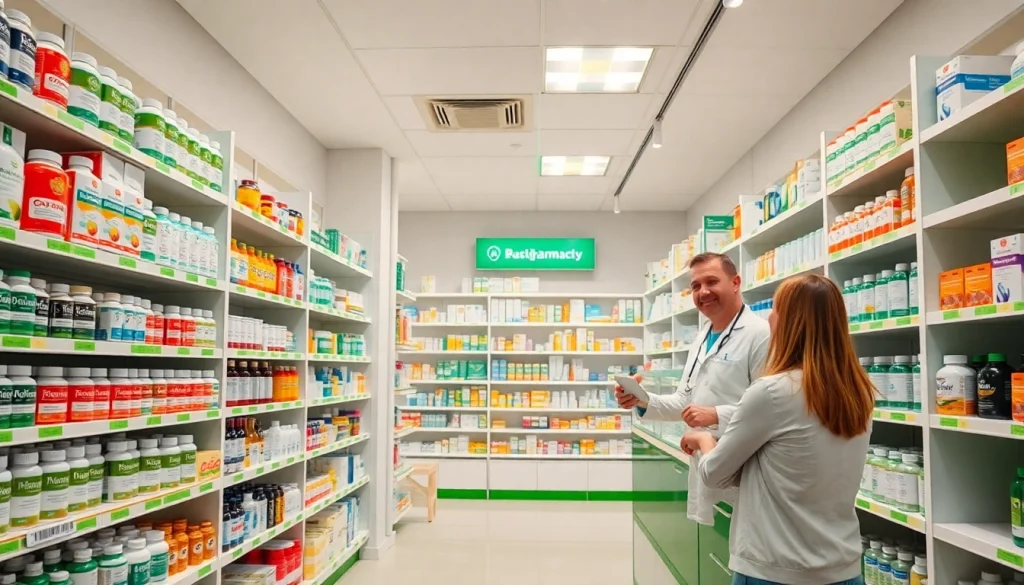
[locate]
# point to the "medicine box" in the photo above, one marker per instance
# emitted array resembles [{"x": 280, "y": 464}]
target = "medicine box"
[
  {"x": 1015, "y": 161},
  {"x": 14, "y": 138},
  {"x": 978, "y": 285},
  {"x": 968, "y": 78},
  {"x": 237, "y": 574},
  {"x": 106, "y": 168},
  {"x": 951, "y": 289},
  {"x": 134, "y": 178}
]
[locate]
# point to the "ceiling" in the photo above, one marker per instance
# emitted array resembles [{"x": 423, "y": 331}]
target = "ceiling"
[{"x": 348, "y": 71}]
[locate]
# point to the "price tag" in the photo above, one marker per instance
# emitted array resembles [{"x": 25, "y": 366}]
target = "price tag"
[
  {"x": 204, "y": 571},
  {"x": 10, "y": 546},
  {"x": 51, "y": 432},
  {"x": 122, "y": 146},
  {"x": 212, "y": 414},
  {"x": 118, "y": 515},
  {"x": 58, "y": 246},
  {"x": 903, "y": 321},
  {"x": 898, "y": 516},
  {"x": 184, "y": 351},
  {"x": 138, "y": 348},
  {"x": 951, "y": 422},
  {"x": 127, "y": 262},
  {"x": 168, "y": 272},
  {"x": 198, "y": 185},
  {"x": 985, "y": 310},
  {"x": 9, "y": 89},
  {"x": 1007, "y": 556},
  {"x": 116, "y": 425},
  {"x": 86, "y": 524},
  {"x": 153, "y": 504},
  {"x": 900, "y": 416},
  {"x": 207, "y": 352},
  {"x": 951, "y": 314},
  {"x": 1017, "y": 430},
  {"x": 185, "y": 417},
  {"x": 49, "y": 532},
  {"x": 83, "y": 252},
  {"x": 85, "y": 346},
  {"x": 206, "y": 487},
  {"x": 189, "y": 277},
  {"x": 876, "y": 325},
  {"x": 153, "y": 421},
  {"x": 6, "y": 436},
  {"x": 16, "y": 342},
  {"x": 8, "y": 233}
]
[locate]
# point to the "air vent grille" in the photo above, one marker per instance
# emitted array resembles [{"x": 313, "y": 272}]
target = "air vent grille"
[{"x": 476, "y": 114}]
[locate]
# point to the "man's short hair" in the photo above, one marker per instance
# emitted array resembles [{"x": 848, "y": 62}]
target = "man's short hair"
[{"x": 727, "y": 264}]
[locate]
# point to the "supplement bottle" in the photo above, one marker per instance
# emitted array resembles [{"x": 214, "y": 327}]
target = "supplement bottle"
[
  {"x": 22, "y": 66},
  {"x": 136, "y": 400},
  {"x": 994, "y": 388},
  {"x": 879, "y": 463},
  {"x": 112, "y": 318},
  {"x": 110, "y": 101},
  {"x": 129, "y": 103},
  {"x": 901, "y": 389},
  {"x": 211, "y": 390},
  {"x": 51, "y": 560},
  {"x": 956, "y": 389},
  {"x": 878, "y": 373},
  {"x": 200, "y": 248},
  {"x": 170, "y": 138},
  {"x": 915, "y": 376},
  {"x": 26, "y": 488},
  {"x": 158, "y": 555},
  {"x": 149, "y": 466},
  {"x": 217, "y": 167},
  {"x": 131, "y": 319},
  {"x": 195, "y": 545},
  {"x": 166, "y": 242},
  {"x": 182, "y": 161},
  {"x": 6, "y": 482},
  {"x": 205, "y": 160},
  {"x": 871, "y": 562},
  {"x": 210, "y": 540},
  {"x": 42, "y": 310},
  {"x": 6, "y": 396},
  {"x": 61, "y": 312},
  {"x": 12, "y": 181},
  {"x": 33, "y": 575},
  {"x": 83, "y": 313},
  {"x": 85, "y": 92},
  {"x": 146, "y": 385},
  {"x": 150, "y": 129},
  {"x": 133, "y": 450},
  {"x": 882, "y": 295},
  {"x": 53, "y": 70},
  {"x": 78, "y": 490},
  {"x": 899, "y": 304},
  {"x": 97, "y": 470},
  {"x": 149, "y": 232},
  {"x": 5, "y": 304},
  {"x": 186, "y": 244},
  {"x": 170, "y": 463},
  {"x": 188, "y": 472},
  {"x": 101, "y": 394},
  {"x": 901, "y": 568},
  {"x": 908, "y": 474},
  {"x": 885, "y": 561},
  {"x": 83, "y": 570},
  {"x": 188, "y": 327},
  {"x": 120, "y": 394},
  {"x": 890, "y": 488},
  {"x": 867, "y": 298},
  {"x": 181, "y": 542},
  {"x": 212, "y": 259},
  {"x": 159, "y": 392},
  {"x": 53, "y": 503},
  {"x": 23, "y": 396},
  {"x": 46, "y": 194},
  {"x": 194, "y": 155},
  {"x": 1016, "y": 513},
  {"x": 978, "y": 361},
  {"x": 138, "y": 561},
  {"x": 51, "y": 406},
  {"x": 912, "y": 289},
  {"x": 113, "y": 566},
  {"x": 23, "y": 303},
  {"x": 120, "y": 471}
]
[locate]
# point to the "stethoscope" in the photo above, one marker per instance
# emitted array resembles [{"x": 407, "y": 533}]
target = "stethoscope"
[{"x": 688, "y": 388}]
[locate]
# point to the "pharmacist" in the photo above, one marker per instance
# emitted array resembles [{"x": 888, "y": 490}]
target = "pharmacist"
[{"x": 725, "y": 357}]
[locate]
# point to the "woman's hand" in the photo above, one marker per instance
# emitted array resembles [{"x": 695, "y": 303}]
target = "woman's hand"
[{"x": 697, "y": 441}]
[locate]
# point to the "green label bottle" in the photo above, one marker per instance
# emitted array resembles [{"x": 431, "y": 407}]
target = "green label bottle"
[
  {"x": 867, "y": 298},
  {"x": 899, "y": 292},
  {"x": 1016, "y": 514},
  {"x": 912, "y": 300}
]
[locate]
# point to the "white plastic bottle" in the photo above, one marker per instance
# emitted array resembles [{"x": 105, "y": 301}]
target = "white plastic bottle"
[
  {"x": 187, "y": 242},
  {"x": 5, "y": 495},
  {"x": 26, "y": 488},
  {"x": 133, "y": 450},
  {"x": 188, "y": 472},
  {"x": 1017, "y": 69},
  {"x": 78, "y": 490},
  {"x": 111, "y": 319},
  {"x": 212, "y": 259},
  {"x": 120, "y": 472},
  {"x": 272, "y": 441},
  {"x": 170, "y": 463},
  {"x": 138, "y": 561},
  {"x": 97, "y": 469},
  {"x": 200, "y": 248},
  {"x": 158, "y": 555}
]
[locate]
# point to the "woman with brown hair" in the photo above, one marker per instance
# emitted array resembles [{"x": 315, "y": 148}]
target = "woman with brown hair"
[{"x": 796, "y": 446}]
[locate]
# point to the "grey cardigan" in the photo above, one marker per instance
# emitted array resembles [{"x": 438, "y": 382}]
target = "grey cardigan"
[{"x": 795, "y": 521}]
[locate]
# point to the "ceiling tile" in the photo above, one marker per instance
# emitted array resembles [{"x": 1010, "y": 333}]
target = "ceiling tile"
[
  {"x": 414, "y": 178},
  {"x": 657, "y": 69},
  {"x": 573, "y": 186},
  {"x": 526, "y": 202},
  {"x": 668, "y": 171},
  {"x": 652, "y": 202},
  {"x": 405, "y": 113},
  {"x": 574, "y": 203},
  {"x": 484, "y": 176},
  {"x": 619, "y": 111},
  {"x": 724, "y": 70},
  {"x": 450, "y": 23},
  {"x": 479, "y": 71},
  {"x": 585, "y": 142},
  {"x": 422, "y": 203},
  {"x": 821, "y": 25},
  {"x": 472, "y": 144},
  {"x": 642, "y": 23}
]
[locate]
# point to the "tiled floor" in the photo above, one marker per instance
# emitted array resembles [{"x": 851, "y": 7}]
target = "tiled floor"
[{"x": 508, "y": 543}]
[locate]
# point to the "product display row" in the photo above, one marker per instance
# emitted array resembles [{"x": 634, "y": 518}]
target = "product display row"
[
  {"x": 416, "y": 420},
  {"x": 1001, "y": 280},
  {"x": 326, "y": 383},
  {"x": 329, "y": 343},
  {"x": 465, "y": 397},
  {"x": 580, "y": 340},
  {"x": 889, "y": 293},
  {"x": 885, "y": 214},
  {"x": 988, "y": 388},
  {"x": 529, "y": 445},
  {"x": 592, "y": 423},
  {"x": 897, "y": 381},
  {"x": 255, "y": 382},
  {"x": 895, "y": 476},
  {"x": 879, "y": 133},
  {"x": 324, "y": 293},
  {"x": 785, "y": 259},
  {"x": 263, "y": 272},
  {"x": 252, "y": 509},
  {"x": 249, "y": 195},
  {"x": 247, "y": 445}
]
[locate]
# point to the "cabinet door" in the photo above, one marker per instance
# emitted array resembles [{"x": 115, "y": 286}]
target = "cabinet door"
[{"x": 714, "y": 570}]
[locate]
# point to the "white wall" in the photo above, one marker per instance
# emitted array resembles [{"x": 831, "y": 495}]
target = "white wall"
[
  {"x": 161, "y": 41},
  {"x": 875, "y": 71},
  {"x": 442, "y": 244}
]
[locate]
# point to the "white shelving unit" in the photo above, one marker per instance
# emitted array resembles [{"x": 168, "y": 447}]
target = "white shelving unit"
[{"x": 59, "y": 261}]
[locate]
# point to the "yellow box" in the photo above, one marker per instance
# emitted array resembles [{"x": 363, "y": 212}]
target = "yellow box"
[
  {"x": 1015, "y": 161},
  {"x": 951, "y": 289},
  {"x": 208, "y": 465},
  {"x": 978, "y": 285}
]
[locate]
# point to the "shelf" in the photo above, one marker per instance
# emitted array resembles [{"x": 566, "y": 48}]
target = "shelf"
[
  {"x": 659, "y": 353},
  {"x": 14, "y": 543},
  {"x": 339, "y": 560},
  {"x": 572, "y": 410},
  {"x": 192, "y": 574},
  {"x": 54, "y": 129},
  {"x": 561, "y": 457},
  {"x": 405, "y": 391},
  {"x": 903, "y": 417},
  {"x": 443, "y": 455},
  {"x": 999, "y": 209},
  {"x": 338, "y": 399},
  {"x": 1007, "y": 311},
  {"x": 267, "y": 355},
  {"x": 515, "y": 431},
  {"x": 332, "y": 314},
  {"x": 981, "y": 426},
  {"x": 338, "y": 359},
  {"x": 252, "y": 228},
  {"x": 263, "y": 469},
  {"x": 401, "y": 512},
  {"x": 667, "y": 285},
  {"x": 883, "y": 174},
  {"x": 330, "y": 265},
  {"x": 909, "y": 324},
  {"x": 909, "y": 519},
  {"x": 445, "y": 382},
  {"x": 226, "y": 558},
  {"x": 896, "y": 246},
  {"x": 338, "y": 445},
  {"x": 416, "y": 324},
  {"x": 422, "y": 296},
  {"x": 403, "y": 472},
  {"x": 798, "y": 221},
  {"x": 541, "y": 383},
  {"x": 310, "y": 510},
  {"x": 441, "y": 408},
  {"x": 571, "y": 353},
  {"x": 989, "y": 541},
  {"x": 567, "y": 325},
  {"x": 769, "y": 285},
  {"x": 262, "y": 408},
  {"x": 442, "y": 430},
  {"x": 406, "y": 295},
  {"x": 416, "y": 352},
  {"x": 20, "y": 248},
  {"x": 24, "y": 435},
  {"x": 549, "y": 295},
  {"x": 243, "y": 296},
  {"x": 52, "y": 345},
  {"x": 994, "y": 118},
  {"x": 403, "y": 432}
]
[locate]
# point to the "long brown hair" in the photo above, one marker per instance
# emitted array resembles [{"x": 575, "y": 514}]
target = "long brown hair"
[{"x": 812, "y": 334}]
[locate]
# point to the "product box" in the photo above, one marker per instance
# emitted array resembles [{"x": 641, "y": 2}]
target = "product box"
[
  {"x": 104, "y": 166},
  {"x": 208, "y": 464},
  {"x": 751, "y": 213},
  {"x": 968, "y": 78},
  {"x": 978, "y": 285},
  {"x": 1015, "y": 161},
  {"x": 1017, "y": 396},
  {"x": 134, "y": 179},
  {"x": 1008, "y": 268},
  {"x": 238, "y": 574},
  {"x": 718, "y": 232},
  {"x": 14, "y": 138},
  {"x": 951, "y": 289}
]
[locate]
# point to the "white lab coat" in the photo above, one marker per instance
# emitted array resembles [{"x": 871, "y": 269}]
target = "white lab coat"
[{"x": 720, "y": 377}]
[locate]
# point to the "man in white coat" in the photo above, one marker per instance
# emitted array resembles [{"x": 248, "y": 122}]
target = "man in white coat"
[{"x": 726, "y": 356}]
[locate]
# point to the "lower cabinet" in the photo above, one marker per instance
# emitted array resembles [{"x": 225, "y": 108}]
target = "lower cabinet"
[{"x": 714, "y": 549}]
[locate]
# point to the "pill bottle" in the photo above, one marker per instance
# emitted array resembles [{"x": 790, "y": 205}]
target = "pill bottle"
[
  {"x": 188, "y": 327},
  {"x": 136, "y": 393},
  {"x": 51, "y": 560},
  {"x": 172, "y": 325},
  {"x": 194, "y": 155},
  {"x": 170, "y": 463},
  {"x": 81, "y": 395},
  {"x": 83, "y": 569},
  {"x": 150, "y": 129},
  {"x": 138, "y": 561},
  {"x": 78, "y": 487},
  {"x": 195, "y": 545},
  {"x": 248, "y": 194},
  {"x": 101, "y": 394},
  {"x": 182, "y": 161},
  {"x": 5, "y": 305},
  {"x": 97, "y": 472},
  {"x": 61, "y": 311},
  {"x": 23, "y": 396},
  {"x": 182, "y": 544},
  {"x": 53, "y": 70},
  {"x": 23, "y": 303},
  {"x": 200, "y": 248},
  {"x": 908, "y": 474},
  {"x": 33, "y": 575},
  {"x": 45, "y": 202},
  {"x": 187, "y": 472},
  {"x": 166, "y": 243},
  {"x": 5, "y": 495},
  {"x": 84, "y": 94},
  {"x": 130, "y": 319},
  {"x": 882, "y": 295},
  {"x": 26, "y": 487},
  {"x": 159, "y": 392},
  {"x": 120, "y": 471},
  {"x": 211, "y": 390},
  {"x": 149, "y": 466},
  {"x": 53, "y": 503},
  {"x": 908, "y": 197},
  {"x": 42, "y": 309},
  {"x": 867, "y": 298},
  {"x": 113, "y": 566},
  {"x": 146, "y": 391},
  {"x": 170, "y": 138},
  {"x": 51, "y": 406},
  {"x": 878, "y": 373},
  {"x": 994, "y": 388},
  {"x": 21, "y": 69},
  {"x": 900, "y": 391},
  {"x": 901, "y": 568},
  {"x": 6, "y": 396},
  {"x": 112, "y": 318},
  {"x": 956, "y": 390},
  {"x": 205, "y": 160},
  {"x": 158, "y": 555},
  {"x": 129, "y": 103},
  {"x": 120, "y": 394},
  {"x": 216, "y": 167},
  {"x": 899, "y": 299},
  {"x": 110, "y": 101}
]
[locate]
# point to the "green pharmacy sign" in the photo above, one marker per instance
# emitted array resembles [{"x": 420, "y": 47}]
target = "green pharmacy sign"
[{"x": 535, "y": 254}]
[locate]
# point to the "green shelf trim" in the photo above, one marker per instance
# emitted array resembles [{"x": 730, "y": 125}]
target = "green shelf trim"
[
  {"x": 661, "y": 553},
  {"x": 335, "y": 576},
  {"x": 454, "y": 494},
  {"x": 556, "y": 495},
  {"x": 562, "y": 495}
]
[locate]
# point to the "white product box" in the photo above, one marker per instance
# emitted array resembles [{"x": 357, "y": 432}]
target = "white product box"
[
  {"x": 531, "y": 284},
  {"x": 467, "y": 285},
  {"x": 14, "y": 137},
  {"x": 1008, "y": 278},
  {"x": 967, "y": 78},
  {"x": 495, "y": 284},
  {"x": 428, "y": 284},
  {"x": 135, "y": 178},
  {"x": 1006, "y": 245}
]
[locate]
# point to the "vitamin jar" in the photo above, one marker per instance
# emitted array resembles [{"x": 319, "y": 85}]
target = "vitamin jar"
[
  {"x": 45, "y": 202},
  {"x": 908, "y": 197},
  {"x": 268, "y": 207},
  {"x": 248, "y": 194},
  {"x": 956, "y": 387},
  {"x": 170, "y": 138},
  {"x": 129, "y": 103},
  {"x": 84, "y": 93},
  {"x": 22, "y": 67},
  {"x": 150, "y": 129},
  {"x": 216, "y": 167},
  {"x": 52, "y": 71}
]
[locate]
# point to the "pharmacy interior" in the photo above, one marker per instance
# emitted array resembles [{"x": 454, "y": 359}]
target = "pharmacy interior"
[{"x": 495, "y": 224}]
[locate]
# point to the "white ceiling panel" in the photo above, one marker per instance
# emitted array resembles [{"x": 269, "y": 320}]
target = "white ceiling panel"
[
  {"x": 585, "y": 142},
  {"x": 492, "y": 202},
  {"x": 679, "y": 169},
  {"x": 574, "y": 203},
  {"x": 482, "y": 176},
  {"x": 410, "y": 202},
  {"x": 727, "y": 70},
  {"x": 408, "y": 24},
  {"x": 651, "y": 202},
  {"x": 817, "y": 24},
  {"x": 405, "y": 113},
  {"x": 496, "y": 70},
  {"x": 616, "y": 22},
  {"x": 657, "y": 69},
  {"x": 574, "y": 186},
  {"x": 620, "y": 111},
  {"x": 414, "y": 178},
  {"x": 474, "y": 144}
]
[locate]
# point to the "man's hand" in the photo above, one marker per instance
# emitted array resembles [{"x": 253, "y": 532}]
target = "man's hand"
[
  {"x": 700, "y": 416},
  {"x": 628, "y": 400},
  {"x": 697, "y": 441}
]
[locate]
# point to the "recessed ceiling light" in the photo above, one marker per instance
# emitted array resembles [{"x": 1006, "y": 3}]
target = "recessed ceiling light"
[
  {"x": 595, "y": 69},
  {"x": 732, "y": 3},
  {"x": 573, "y": 166}
]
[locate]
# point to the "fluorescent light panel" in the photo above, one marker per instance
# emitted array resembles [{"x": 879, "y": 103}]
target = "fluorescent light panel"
[
  {"x": 595, "y": 69},
  {"x": 574, "y": 166}
]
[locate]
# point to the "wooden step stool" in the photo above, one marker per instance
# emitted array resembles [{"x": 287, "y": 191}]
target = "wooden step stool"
[{"x": 427, "y": 490}]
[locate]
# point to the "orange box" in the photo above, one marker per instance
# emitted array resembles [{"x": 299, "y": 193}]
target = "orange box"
[
  {"x": 1015, "y": 161},
  {"x": 978, "y": 285},
  {"x": 1017, "y": 396},
  {"x": 951, "y": 289}
]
